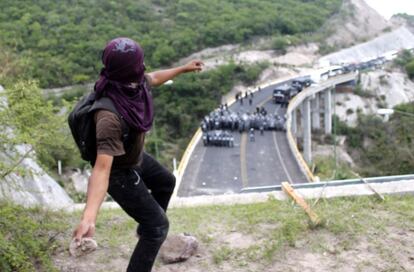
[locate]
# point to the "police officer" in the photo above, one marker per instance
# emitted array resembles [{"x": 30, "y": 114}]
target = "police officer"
[{"x": 251, "y": 135}]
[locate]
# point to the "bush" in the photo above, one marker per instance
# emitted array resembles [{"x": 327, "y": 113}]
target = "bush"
[
  {"x": 27, "y": 238},
  {"x": 325, "y": 48},
  {"x": 410, "y": 69},
  {"x": 353, "y": 135},
  {"x": 326, "y": 168},
  {"x": 403, "y": 58},
  {"x": 363, "y": 93},
  {"x": 36, "y": 123},
  {"x": 384, "y": 148},
  {"x": 280, "y": 44}
]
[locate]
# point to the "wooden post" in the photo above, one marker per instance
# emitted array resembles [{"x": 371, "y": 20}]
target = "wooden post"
[
  {"x": 287, "y": 188},
  {"x": 380, "y": 196}
]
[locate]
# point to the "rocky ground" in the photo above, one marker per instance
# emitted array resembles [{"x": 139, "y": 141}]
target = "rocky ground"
[{"x": 383, "y": 88}]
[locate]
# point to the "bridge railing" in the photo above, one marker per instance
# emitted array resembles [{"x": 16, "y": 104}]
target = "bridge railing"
[
  {"x": 295, "y": 103},
  {"x": 332, "y": 183}
]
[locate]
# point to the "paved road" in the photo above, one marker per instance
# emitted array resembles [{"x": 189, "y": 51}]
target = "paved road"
[{"x": 222, "y": 170}]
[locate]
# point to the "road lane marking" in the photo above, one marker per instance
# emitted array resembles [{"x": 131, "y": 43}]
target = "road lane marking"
[
  {"x": 198, "y": 164},
  {"x": 243, "y": 165},
  {"x": 280, "y": 157}
]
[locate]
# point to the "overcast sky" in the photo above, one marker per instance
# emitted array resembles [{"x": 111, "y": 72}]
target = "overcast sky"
[{"x": 387, "y": 8}]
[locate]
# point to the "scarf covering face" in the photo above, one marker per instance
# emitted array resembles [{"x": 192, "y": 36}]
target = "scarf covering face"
[{"x": 122, "y": 80}]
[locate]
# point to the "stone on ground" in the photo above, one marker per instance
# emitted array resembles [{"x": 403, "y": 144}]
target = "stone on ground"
[
  {"x": 87, "y": 246},
  {"x": 178, "y": 248}
]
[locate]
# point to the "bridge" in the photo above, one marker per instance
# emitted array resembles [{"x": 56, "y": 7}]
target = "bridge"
[{"x": 273, "y": 157}]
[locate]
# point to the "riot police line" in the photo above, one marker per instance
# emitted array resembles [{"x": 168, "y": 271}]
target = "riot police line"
[{"x": 217, "y": 127}]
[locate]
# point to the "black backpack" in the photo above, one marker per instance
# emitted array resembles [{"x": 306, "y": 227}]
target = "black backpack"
[{"x": 82, "y": 124}]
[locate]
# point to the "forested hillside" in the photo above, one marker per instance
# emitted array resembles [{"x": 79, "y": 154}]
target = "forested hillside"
[
  {"x": 60, "y": 42},
  {"x": 382, "y": 148}
]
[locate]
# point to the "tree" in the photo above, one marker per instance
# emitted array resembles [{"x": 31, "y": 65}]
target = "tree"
[
  {"x": 28, "y": 120},
  {"x": 410, "y": 69}
]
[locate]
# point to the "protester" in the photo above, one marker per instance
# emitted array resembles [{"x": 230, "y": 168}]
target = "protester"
[{"x": 126, "y": 172}]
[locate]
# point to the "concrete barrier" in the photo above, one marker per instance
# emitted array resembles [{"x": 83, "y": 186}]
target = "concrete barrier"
[
  {"x": 296, "y": 102},
  {"x": 328, "y": 189}
]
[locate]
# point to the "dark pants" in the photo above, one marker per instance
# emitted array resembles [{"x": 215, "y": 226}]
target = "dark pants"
[{"x": 144, "y": 194}]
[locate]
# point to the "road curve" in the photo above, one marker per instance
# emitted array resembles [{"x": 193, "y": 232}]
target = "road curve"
[{"x": 222, "y": 170}]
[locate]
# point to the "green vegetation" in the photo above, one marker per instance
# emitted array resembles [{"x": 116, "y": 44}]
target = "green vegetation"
[
  {"x": 326, "y": 168},
  {"x": 59, "y": 43},
  {"x": 267, "y": 229},
  {"x": 27, "y": 238},
  {"x": 410, "y": 69},
  {"x": 405, "y": 60},
  {"x": 363, "y": 93},
  {"x": 383, "y": 148},
  {"x": 280, "y": 43},
  {"x": 62, "y": 41},
  {"x": 28, "y": 119}
]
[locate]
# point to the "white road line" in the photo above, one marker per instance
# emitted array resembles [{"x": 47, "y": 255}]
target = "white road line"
[
  {"x": 280, "y": 157},
  {"x": 243, "y": 166},
  {"x": 198, "y": 163}
]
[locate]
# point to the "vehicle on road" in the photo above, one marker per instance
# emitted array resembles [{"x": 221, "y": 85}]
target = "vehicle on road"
[
  {"x": 296, "y": 85},
  {"x": 302, "y": 81},
  {"x": 282, "y": 94}
]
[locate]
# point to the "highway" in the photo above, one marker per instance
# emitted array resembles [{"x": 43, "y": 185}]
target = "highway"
[{"x": 223, "y": 170}]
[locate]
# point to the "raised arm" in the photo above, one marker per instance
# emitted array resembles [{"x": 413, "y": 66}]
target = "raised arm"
[
  {"x": 97, "y": 187},
  {"x": 159, "y": 77}
]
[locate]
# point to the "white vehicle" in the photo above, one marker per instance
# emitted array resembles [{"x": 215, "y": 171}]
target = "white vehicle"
[{"x": 335, "y": 70}]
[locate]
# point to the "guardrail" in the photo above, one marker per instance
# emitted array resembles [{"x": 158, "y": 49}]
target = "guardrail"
[
  {"x": 297, "y": 101},
  {"x": 333, "y": 183},
  {"x": 185, "y": 159}
]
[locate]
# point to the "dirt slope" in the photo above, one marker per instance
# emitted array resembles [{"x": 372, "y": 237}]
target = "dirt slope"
[{"x": 356, "y": 22}]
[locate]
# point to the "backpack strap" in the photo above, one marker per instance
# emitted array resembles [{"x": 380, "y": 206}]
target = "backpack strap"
[{"x": 105, "y": 103}]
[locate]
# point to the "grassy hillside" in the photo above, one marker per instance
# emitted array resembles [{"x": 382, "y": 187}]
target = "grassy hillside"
[
  {"x": 61, "y": 41},
  {"x": 359, "y": 234}
]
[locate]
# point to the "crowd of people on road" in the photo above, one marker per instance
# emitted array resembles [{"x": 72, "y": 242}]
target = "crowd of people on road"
[
  {"x": 248, "y": 96},
  {"x": 217, "y": 127}
]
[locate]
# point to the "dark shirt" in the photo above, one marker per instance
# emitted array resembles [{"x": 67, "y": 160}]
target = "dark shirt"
[{"x": 109, "y": 140}]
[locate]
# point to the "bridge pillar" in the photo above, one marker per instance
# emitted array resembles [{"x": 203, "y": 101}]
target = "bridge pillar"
[
  {"x": 307, "y": 135},
  {"x": 316, "y": 122},
  {"x": 294, "y": 125},
  {"x": 328, "y": 111}
]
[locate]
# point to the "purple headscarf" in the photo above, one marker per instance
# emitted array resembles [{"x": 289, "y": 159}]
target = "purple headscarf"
[{"x": 122, "y": 80}]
